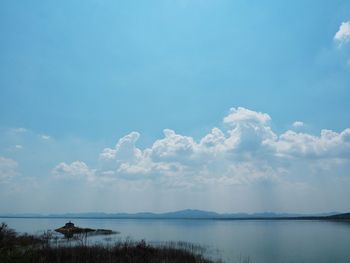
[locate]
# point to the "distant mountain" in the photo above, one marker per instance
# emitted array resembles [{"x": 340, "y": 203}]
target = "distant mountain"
[
  {"x": 185, "y": 214},
  {"x": 188, "y": 214},
  {"x": 21, "y": 215}
]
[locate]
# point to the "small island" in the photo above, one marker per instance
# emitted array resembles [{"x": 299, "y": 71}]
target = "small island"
[{"x": 69, "y": 229}]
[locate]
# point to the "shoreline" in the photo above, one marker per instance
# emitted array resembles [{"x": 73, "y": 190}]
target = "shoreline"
[
  {"x": 306, "y": 218},
  {"x": 15, "y": 247}
]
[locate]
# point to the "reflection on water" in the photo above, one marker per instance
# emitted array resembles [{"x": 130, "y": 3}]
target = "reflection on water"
[{"x": 261, "y": 241}]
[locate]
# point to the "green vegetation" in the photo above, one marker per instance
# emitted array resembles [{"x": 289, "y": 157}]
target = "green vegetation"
[{"x": 16, "y": 248}]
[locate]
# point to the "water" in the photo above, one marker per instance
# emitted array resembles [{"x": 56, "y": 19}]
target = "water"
[{"x": 261, "y": 241}]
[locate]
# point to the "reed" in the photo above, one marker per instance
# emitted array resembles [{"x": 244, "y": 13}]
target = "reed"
[{"x": 16, "y": 248}]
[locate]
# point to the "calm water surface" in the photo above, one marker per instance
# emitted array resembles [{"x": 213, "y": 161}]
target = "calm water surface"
[{"x": 261, "y": 241}]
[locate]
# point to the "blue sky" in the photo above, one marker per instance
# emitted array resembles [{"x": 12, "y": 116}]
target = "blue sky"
[{"x": 79, "y": 77}]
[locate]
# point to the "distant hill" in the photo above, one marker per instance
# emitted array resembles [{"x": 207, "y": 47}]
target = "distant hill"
[
  {"x": 190, "y": 214},
  {"x": 345, "y": 216}
]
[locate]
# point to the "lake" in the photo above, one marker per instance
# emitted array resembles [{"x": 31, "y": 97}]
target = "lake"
[{"x": 262, "y": 241}]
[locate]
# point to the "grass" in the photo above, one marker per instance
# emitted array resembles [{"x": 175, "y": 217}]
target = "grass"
[{"x": 17, "y": 248}]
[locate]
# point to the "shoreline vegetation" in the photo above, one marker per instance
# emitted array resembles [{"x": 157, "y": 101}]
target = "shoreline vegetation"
[{"x": 17, "y": 248}]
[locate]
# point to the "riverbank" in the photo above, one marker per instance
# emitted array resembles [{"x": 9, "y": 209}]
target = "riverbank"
[{"x": 30, "y": 248}]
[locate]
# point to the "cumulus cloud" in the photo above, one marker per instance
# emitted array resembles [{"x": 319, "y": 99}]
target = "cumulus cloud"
[
  {"x": 173, "y": 148},
  {"x": 124, "y": 150},
  {"x": 125, "y": 157},
  {"x": 246, "y": 150},
  {"x": 329, "y": 144},
  {"x": 8, "y": 168},
  {"x": 343, "y": 34},
  {"x": 242, "y": 115},
  {"x": 77, "y": 170},
  {"x": 298, "y": 124}
]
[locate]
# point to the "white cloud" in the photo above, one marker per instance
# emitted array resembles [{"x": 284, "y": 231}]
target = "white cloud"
[
  {"x": 19, "y": 130},
  {"x": 329, "y": 144},
  {"x": 174, "y": 147},
  {"x": 124, "y": 150},
  {"x": 343, "y": 34},
  {"x": 245, "y": 151},
  {"x": 240, "y": 114},
  {"x": 18, "y": 146},
  {"x": 45, "y": 137},
  {"x": 77, "y": 170},
  {"x": 8, "y": 168},
  {"x": 125, "y": 157},
  {"x": 298, "y": 124}
]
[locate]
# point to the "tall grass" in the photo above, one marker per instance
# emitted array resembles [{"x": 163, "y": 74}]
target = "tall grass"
[{"x": 16, "y": 248}]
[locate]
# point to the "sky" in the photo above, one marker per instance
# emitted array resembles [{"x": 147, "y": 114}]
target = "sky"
[{"x": 162, "y": 105}]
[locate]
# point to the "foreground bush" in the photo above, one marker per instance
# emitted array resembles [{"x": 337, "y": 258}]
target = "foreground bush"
[{"x": 32, "y": 249}]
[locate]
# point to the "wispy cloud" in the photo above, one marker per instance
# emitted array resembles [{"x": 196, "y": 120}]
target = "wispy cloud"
[
  {"x": 19, "y": 130},
  {"x": 45, "y": 137}
]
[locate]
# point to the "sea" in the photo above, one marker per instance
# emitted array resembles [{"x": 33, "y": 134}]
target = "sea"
[{"x": 259, "y": 241}]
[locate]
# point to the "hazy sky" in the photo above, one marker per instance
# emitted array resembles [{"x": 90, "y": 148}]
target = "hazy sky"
[{"x": 223, "y": 105}]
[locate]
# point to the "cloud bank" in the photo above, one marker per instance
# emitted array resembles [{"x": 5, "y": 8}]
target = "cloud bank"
[{"x": 244, "y": 151}]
